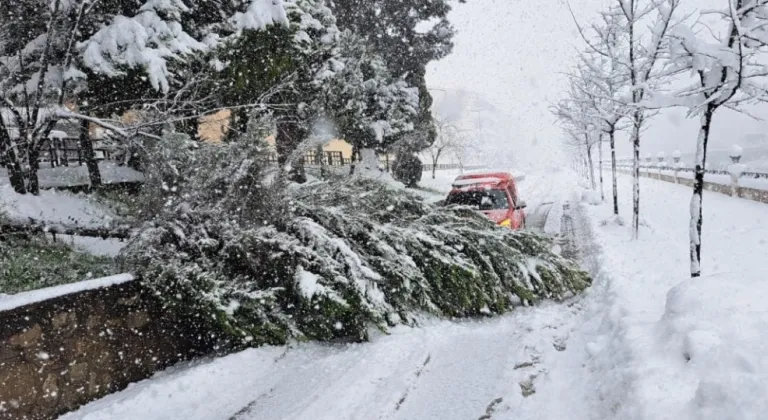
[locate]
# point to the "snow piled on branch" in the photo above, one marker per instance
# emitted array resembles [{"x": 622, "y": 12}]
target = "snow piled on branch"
[
  {"x": 146, "y": 40},
  {"x": 154, "y": 36},
  {"x": 260, "y": 14}
]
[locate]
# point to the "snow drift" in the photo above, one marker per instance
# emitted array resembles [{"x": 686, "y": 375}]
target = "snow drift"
[{"x": 713, "y": 326}]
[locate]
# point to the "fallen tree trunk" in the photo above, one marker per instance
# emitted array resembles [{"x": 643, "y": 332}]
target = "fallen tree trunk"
[{"x": 33, "y": 226}]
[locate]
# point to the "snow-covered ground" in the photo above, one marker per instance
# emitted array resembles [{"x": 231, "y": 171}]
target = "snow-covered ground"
[
  {"x": 643, "y": 343},
  {"x": 67, "y": 176},
  {"x": 54, "y": 207},
  {"x": 61, "y": 207},
  {"x": 676, "y": 348},
  {"x": 442, "y": 371}
]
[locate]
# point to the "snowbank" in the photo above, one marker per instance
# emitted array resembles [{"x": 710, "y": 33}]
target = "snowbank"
[
  {"x": 714, "y": 328},
  {"x": 8, "y": 302}
]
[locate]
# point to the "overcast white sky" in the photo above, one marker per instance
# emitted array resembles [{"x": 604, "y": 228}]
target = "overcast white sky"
[{"x": 513, "y": 53}]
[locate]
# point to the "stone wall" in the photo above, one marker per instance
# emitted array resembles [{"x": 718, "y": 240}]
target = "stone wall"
[{"x": 59, "y": 354}]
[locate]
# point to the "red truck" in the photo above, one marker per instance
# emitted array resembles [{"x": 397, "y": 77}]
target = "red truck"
[{"x": 492, "y": 193}]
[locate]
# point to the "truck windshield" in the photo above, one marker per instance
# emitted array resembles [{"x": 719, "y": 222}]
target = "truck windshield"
[{"x": 479, "y": 199}]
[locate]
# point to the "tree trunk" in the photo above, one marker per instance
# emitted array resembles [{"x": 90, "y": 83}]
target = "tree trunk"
[
  {"x": 612, "y": 135},
  {"x": 353, "y": 158},
  {"x": 435, "y": 159},
  {"x": 287, "y": 141},
  {"x": 698, "y": 188},
  {"x": 590, "y": 166},
  {"x": 600, "y": 166},
  {"x": 15, "y": 174},
  {"x": 86, "y": 147},
  {"x": 191, "y": 126},
  {"x": 238, "y": 125},
  {"x": 636, "y": 176},
  {"x": 33, "y": 158}
]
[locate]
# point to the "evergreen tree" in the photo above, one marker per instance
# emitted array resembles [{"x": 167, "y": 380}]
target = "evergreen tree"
[
  {"x": 396, "y": 31},
  {"x": 369, "y": 106}
]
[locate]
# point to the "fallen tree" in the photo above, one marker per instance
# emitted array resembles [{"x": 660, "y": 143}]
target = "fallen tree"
[{"x": 256, "y": 261}]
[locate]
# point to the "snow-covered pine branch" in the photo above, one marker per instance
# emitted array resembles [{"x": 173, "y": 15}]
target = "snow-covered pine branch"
[
  {"x": 369, "y": 106},
  {"x": 155, "y": 35}
]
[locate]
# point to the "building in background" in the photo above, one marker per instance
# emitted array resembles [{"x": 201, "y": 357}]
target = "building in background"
[{"x": 214, "y": 127}]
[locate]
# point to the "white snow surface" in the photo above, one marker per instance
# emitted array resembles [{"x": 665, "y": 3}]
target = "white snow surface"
[
  {"x": 77, "y": 175},
  {"x": 673, "y": 347},
  {"x": 475, "y": 181},
  {"x": 8, "y": 302},
  {"x": 441, "y": 371},
  {"x": 54, "y": 207},
  {"x": 62, "y": 207}
]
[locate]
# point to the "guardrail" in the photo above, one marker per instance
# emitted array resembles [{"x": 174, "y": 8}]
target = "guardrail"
[
  {"x": 756, "y": 190},
  {"x": 745, "y": 174}
]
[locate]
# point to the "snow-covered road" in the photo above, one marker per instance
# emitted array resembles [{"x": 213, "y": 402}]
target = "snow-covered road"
[
  {"x": 467, "y": 370},
  {"x": 522, "y": 365}
]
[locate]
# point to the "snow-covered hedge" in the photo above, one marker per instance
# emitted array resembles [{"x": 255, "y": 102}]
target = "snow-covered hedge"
[{"x": 330, "y": 259}]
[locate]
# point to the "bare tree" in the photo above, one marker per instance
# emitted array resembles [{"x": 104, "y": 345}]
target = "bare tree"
[
  {"x": 33, "y": 84},
  {"x": 581, "y": 124},
  {"x": 729, "y": 70},
  {"x": 602, "y": 81},
  {"x": 449, "y": 139},
  {"x": 642, "y": 61}
]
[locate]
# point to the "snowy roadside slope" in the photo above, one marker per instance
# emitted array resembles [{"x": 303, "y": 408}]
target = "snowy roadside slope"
[{"x": 675, "y": 348}]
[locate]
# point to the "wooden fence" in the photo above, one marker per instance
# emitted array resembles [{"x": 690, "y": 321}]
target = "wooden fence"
[{"x": 65, "y": 152}]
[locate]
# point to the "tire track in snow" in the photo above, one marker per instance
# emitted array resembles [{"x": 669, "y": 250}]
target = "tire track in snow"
[
  {"x": 491, "y": 409},
  {"x": 416, "y": 376}
]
